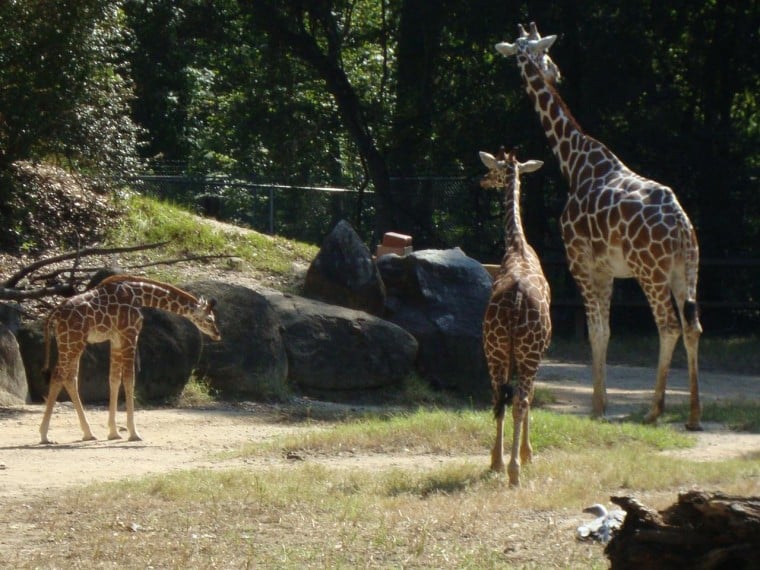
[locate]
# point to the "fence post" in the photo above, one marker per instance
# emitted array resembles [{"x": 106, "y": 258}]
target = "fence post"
[{"x": 271, "y": 210}]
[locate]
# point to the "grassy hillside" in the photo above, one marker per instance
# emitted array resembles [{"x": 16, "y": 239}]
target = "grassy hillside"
[{"x": 146, "y": 220}]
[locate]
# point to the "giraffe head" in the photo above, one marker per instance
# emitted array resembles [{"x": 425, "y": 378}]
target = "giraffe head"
[
  {"x": 535, "y": 48},
  {"x": 202, "y": 317},
  {"x": 504, "y": 168}
]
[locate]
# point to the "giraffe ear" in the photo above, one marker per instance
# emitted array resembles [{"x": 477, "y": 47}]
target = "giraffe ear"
[
  {"x": 543, "y": 44},
  {"x": 488, "y": 160},
  {"x": 531, "y": 165},
  {"x": 506, "y": 49}
]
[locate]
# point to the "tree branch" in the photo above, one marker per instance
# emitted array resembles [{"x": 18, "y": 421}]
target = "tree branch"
[{"x": 32, "y": 267}]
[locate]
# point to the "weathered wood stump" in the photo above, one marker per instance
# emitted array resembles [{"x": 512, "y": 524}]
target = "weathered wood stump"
[{"x": 702, "y": 531}]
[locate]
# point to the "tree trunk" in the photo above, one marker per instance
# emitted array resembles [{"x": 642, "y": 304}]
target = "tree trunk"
[
  {"x": 288, "y": 29},
  {"x": 702, "y": 531}
]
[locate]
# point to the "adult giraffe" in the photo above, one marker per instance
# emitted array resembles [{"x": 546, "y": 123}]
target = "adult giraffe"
[
  {"x": 111, "y": 312},
  {"x": 616, "y": 224}
]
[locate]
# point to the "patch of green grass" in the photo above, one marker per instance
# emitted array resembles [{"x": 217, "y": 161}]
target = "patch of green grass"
[
  {"x": 197, "y": 393},
  {"x": 446, "y": 431},
  {"x": 148, "y": 220}
]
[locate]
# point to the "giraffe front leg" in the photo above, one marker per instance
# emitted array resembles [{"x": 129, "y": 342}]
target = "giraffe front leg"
[
  {"x": 596, "y": 290},
  {"x": 597, "y": 294},
  {"x": 72, "y": 387},
  {"x": 668, "y": 342}
]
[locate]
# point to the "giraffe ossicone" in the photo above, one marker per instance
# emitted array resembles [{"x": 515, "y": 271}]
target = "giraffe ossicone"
[
  {"x": 111, "y": 312},
  {"x": 616, "y": 224},
  {"x": 517, "y": 321}
]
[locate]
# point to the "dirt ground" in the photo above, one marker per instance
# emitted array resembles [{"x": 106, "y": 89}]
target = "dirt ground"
[{"x": 189, "y": 438}]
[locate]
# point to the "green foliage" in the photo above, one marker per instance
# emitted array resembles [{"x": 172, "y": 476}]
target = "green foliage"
[
  {"x": 197, "y": 393},
  {"x": 65, "y": 87},
  {"x": 147, "y": 220}
]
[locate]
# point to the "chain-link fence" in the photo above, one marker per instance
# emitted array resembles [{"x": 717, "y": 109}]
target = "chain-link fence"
[{"x": 452, "y": 211}]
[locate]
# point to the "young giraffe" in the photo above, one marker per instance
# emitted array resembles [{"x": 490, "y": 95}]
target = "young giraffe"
[
  {"x": 517, "y": 325},
  {"x": 616, "y": 223},
  {"x": 111, "y": 312}
]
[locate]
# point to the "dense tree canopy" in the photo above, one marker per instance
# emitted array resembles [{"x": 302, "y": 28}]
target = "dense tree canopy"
[
  {"x": 65, "y": 88},
  {"x": 357, "y": 92}
]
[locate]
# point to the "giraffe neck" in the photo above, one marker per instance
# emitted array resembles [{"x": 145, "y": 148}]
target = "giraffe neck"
[
  {"x": 166, "y": 298},
  {"x": 514, "y": 237},
  {"x": 581, "y": 157}
]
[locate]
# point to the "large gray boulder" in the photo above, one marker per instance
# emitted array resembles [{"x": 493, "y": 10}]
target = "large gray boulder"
[
  {"x": 343, "y": 273},
  {"x": 250, "y": 361},
  {"x": 440, "y": 296},
  {"x": 13, "y": 385},
  {"x": 271, "y": 344},
  {"x": 168, "y": 352},
  {"x": 334, "y": 349}
]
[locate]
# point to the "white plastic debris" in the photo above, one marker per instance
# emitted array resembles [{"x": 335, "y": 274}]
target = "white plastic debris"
[{"x": 603, "y": 526}]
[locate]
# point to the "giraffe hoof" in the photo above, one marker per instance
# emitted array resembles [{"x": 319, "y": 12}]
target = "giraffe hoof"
[
  {"x": 694, "y": 426},
  {"x": 89, "y": 438},
  {"x": 113, "y": 436},
  {"x": 651, "y": 418},
  {"x": 135, "y": 437}
]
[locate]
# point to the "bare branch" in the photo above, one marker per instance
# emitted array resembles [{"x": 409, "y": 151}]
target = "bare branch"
[{"x": 32, "y": 267}]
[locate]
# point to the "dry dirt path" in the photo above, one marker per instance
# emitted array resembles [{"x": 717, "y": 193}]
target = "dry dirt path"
[{"x": 190, "y": 438}]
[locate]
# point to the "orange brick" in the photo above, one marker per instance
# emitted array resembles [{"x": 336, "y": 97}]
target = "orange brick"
[{"x": 392, "y": 239}]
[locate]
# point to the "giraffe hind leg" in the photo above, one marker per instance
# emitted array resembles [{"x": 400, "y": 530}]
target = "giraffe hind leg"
[
  {"x": 114, "y": 384},
  {"x": 692, "y": 330},
  {"x": 53, "y": 391},
  {"x": 64, "y": 376},
  {"x": 519, "y": 413},
  {"x": 501, "y": 391}
]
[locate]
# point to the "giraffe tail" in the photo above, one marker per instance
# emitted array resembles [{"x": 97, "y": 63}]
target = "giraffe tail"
[
  {"x": 691, "y": 313},
  {"x": 690, "y": 249},
  {"x": 503, "y": 399},
  {"x": 46, "y": 372},
  {"x": 506, "y": 390}
]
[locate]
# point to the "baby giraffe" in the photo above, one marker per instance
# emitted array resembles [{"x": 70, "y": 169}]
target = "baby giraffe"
[
  {"x": 517, "y": 325},
  {"x": 111, "y": 312}
]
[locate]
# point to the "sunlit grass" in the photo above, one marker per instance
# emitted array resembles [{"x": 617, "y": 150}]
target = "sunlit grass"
[
  {"x": 197, "y": 393},
  {"x": 150, "y": 221},
  {"x": 446, "y": 431}
]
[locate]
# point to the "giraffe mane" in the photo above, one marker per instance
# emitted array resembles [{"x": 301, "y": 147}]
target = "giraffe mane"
[
  {"x": 135, "y": 279},
  {"x": 556, "y": 96}
]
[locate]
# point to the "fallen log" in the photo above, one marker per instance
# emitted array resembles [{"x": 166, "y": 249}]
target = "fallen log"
[{"x": 706, "y": 531}]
